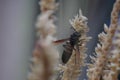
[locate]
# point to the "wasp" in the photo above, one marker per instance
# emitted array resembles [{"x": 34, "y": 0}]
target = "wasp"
[{"x": 71, "y": 42}]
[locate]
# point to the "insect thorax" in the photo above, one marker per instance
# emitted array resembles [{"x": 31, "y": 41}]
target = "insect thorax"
[{"x": 74, "y": 38}]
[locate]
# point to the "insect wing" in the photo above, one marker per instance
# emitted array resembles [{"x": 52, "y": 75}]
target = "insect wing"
[
  {"x": 57, "y": 42},
  {"x": 67, "y": 52}
]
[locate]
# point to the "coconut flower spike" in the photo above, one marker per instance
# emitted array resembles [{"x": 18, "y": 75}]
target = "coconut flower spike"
[
  {"x": 114, "y": 59},
  {"x": 76, "y": 61},
  {"x": 44, "y": 64},
  {"x": 97, "y": 70}
]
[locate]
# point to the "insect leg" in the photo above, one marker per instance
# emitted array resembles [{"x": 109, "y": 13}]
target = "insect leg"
[{"x": 77, "y": 53}]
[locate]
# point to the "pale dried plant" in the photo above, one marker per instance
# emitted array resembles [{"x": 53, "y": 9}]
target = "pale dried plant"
[
  {"x": 72, "y": 68},
  {"x": 46, "y": 5},
  {"x": 45, "y": 56},
  {"x": 97, "y": 67},
  {"x": 113, "y": 67}
]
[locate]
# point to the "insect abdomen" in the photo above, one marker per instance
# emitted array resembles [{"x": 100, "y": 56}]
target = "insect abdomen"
[
  {"x": 74, "y": 39},
  {"x": 67, "y": 52}
]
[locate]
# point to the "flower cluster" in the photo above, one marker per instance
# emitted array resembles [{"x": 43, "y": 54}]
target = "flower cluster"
[
  {"x": 45, "y": 56},
  {"x": 79, "y": 23},
  {"x": 76, "y": 61},
  {"x": 46, "y": 5},
  {"x": 98, "y": 69}
]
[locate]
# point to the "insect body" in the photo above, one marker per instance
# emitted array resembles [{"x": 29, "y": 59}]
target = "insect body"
[{"x": 69, "y": 46}]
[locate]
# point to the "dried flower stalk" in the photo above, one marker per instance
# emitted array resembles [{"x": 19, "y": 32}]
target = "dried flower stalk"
[
  {"x": 45, "y": 56},
  {"x": 72, "y": 67},
  {"x": 96, "y": 69},
  {"x": 113, "y": 67}
]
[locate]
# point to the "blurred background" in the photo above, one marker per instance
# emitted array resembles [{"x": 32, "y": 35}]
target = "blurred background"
[{"x": 17, "y": 30}]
